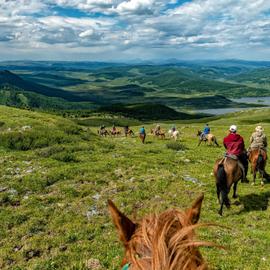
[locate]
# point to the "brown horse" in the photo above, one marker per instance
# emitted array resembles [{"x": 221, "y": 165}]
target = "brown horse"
[
  {"x": 211, "y": 139},
  {"x": 158, "y": 133},
  {"x": 227, "y": 172},
  {"x": 129, "y": 133},
  {"x": 103, "y": 132},
  {"x": 257, "y": 158},
  {"x": 115, "y": 132},
  {"x": 161, "y": 242}
]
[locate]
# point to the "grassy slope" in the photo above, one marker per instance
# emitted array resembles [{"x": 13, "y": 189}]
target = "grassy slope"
[
  {"x": 15, "y": 97},
  {"x": 53, "y": 214},
  {"x": 7, "y": 77}
]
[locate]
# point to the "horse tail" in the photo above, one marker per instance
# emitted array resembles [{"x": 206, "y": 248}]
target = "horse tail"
[
  {"x": 260, "y": 162},
  {"x": 222, "y": 184},
  {"x": 221, "y": 176}
]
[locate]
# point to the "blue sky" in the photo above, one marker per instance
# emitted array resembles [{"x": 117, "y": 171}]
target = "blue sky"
[{"x": 123, "y": 30}]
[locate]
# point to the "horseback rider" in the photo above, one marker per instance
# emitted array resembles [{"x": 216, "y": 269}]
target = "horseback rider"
[
  {"x": 235, "y": 146},
  {"x": 142, "y": 131},
  {"x": 114, "y": 129},
  {"x": 157, "y": 130},
  {"x": 258, "y": 139},
  {"x": 126, "y": 129},
  {"x": 142, "y": 134},
  {"x": 205, "y": 132}
]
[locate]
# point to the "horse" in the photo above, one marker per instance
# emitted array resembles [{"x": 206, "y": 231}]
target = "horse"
[
  {"x": 227, "y": 171},
  {"x": 174, "y": 134},
  {"x": 115, "y": 132},
  {"x": 257, "y": 158},
  {"x": 103, "y": 132},
  {"x": 129, "y": 132},
  {"x": 211, "y": 139},
  {"x": 158, "y": 133},
  {"x": 161, "y": 241}
]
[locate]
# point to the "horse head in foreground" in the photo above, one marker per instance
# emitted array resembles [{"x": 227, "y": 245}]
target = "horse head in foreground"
[{"x": 161, "y": 242}]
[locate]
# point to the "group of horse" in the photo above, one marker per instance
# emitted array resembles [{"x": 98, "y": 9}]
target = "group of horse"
[
  {"x": 228, "y": 171},
  {"x": 166, "y": 241},
  {"x": 115, "y": 133},
  {"x": 129, "y": 132}
]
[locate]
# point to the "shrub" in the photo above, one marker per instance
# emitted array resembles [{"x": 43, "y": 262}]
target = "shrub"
[
  {"x": 32, "y": 139},
  {"x": 72, "y": 129},
  {"x": 65, "y": 157},
  {"x": 107, "y": 147},
  {"x": 177, "y": 146},
  {"x": 51, "y": 150}
]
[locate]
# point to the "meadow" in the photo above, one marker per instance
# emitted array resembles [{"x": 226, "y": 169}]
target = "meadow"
[{"x": 57, "y": 175}]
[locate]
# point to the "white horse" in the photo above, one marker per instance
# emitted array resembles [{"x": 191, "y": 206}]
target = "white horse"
[{"x": 174, "y": 134}]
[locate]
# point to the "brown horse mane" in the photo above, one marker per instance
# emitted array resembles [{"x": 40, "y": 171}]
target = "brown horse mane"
[
  {"x": 171, "y": 238},
  {"x": 163, "y": 241}
]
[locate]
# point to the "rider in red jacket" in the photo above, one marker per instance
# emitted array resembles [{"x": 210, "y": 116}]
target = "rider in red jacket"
[{"x": 234, "y": 145}]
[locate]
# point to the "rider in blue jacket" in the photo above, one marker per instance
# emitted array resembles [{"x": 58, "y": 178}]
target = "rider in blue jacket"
[
  {"x": 142, "y": 130},
  {"x": 206, "y": 131}
]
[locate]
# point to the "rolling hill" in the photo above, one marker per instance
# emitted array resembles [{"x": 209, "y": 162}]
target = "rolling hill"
[
  {"x": 56, "y": 177},
  {"x": 9, "y": 78},
  {"x": 179, "y": 87}
]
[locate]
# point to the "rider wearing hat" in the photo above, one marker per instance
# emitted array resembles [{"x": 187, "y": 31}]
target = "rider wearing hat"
[
  {"x": 258, "y": 139},
  {"x": 234, "y": 145}
]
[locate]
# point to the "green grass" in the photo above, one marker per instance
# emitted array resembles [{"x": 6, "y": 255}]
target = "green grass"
[{"x": 53, "y": 212}]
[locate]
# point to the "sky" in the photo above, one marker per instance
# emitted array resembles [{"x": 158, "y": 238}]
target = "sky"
[{"x": 126, "y": 30}]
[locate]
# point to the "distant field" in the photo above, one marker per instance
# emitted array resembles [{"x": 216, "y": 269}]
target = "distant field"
[{"x": 56, "y": 177}]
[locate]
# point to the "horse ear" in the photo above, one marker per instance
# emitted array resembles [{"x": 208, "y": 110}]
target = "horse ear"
[
  {"x": 124, "y": 225},
  {"x": 195, "y": 210}
]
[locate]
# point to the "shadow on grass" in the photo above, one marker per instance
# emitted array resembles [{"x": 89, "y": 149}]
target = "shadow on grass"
[{"x": 255, "y": 202}]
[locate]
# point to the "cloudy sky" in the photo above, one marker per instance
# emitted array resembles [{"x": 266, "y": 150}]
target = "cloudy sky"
[{"x": 123, "y": 30}]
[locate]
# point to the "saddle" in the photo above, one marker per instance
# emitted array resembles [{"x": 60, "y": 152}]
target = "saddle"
[
  {"x": 234, "y": 157},
  {"x": 231, "y": 156}
]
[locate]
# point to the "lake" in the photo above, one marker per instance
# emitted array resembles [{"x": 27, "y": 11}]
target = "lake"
[
  {"x": 249, "y": 100},
  {"x": 254, "y": 100}
]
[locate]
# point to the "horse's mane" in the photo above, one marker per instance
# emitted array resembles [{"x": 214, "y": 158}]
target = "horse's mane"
[{"x": 168, "y": 242}]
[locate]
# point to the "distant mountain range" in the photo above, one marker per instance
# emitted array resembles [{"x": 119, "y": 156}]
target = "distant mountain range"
[{"x": 93, "y": 65}]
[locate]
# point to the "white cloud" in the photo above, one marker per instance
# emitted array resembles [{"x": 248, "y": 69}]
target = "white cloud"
[
  {"x": 135, "y": 6},
  {"x": 145, "y": 26},
  {"x": 87, "y": 33}
]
